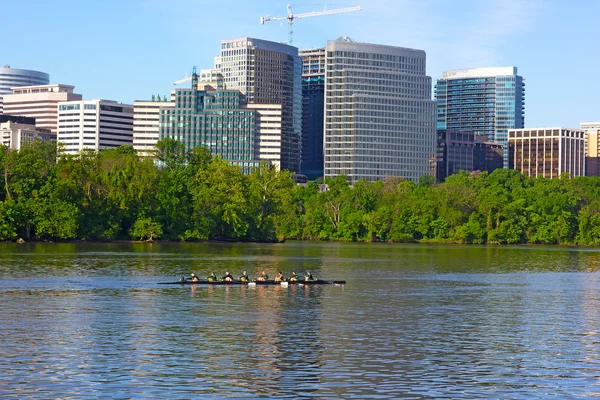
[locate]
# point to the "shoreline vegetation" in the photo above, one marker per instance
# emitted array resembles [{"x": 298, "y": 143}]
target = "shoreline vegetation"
[{"x": 114, "y": 195}]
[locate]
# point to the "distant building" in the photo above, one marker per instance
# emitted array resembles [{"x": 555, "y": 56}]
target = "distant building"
[
  {"x": 146, "y": 125},
  {"x": 487, "y": 156},
  {"x": 14, "y": 77},
  {"x": 268, "y": 143},
  {"x": 379, "y": 116},
  {"x": 16, "y": 132},
  {"x": 39, "y": 102},
  {"x": 313, "y": 112},
  {"x": 465, "y": 151},
  {"x": 485, "y": 101},
  {"x": 268, "y": 73},
  {"x": 547, "y": 152},
  {"x": 217, "y": 120},
  {"x": 593, "y": 147},
  {"x": 94, "y": 124}
]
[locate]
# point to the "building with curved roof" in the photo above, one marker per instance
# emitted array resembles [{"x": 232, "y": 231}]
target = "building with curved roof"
[{"x": 15, "y": 77}]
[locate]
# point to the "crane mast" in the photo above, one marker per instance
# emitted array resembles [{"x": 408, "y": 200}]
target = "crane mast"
[{"x": 291, "y": 17}]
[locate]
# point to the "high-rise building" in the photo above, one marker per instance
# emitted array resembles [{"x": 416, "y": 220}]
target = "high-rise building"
[
  {"x": 14, "y": 77},
  {"x": 379, "y": 116},
  {"x": 593, "y": 147},
  {"x": 485, "y": 101},
  {"x": 21, "y": 131},
  {"x": 39, "y": 102},
  {"x": 547, "y": 152},
  {"x": 146, "y": 125},
  {"x": 268, "y": 73},
  {"x": 94, "y": 124},
  {"x": 215, "y": 119},
  {"x": 313, "y": 106}
]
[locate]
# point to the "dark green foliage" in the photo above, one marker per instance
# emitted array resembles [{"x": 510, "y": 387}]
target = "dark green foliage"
[{"x": 189, "y": 195}]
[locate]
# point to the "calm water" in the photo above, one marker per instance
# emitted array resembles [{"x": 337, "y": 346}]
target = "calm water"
[{"x": 413, "y": 321}]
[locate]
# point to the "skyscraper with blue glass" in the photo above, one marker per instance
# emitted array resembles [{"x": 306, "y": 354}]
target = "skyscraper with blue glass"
[{"x": 485, "y": 101}]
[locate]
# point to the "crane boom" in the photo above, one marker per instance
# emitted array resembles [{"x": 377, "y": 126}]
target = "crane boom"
[{"x": 291, "y": 16}]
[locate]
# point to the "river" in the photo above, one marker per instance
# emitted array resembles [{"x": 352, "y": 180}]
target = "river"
[{"x": 413, "y": 321}]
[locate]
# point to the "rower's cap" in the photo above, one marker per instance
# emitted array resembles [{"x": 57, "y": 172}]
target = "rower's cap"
[{"x": 193, "y": 274}]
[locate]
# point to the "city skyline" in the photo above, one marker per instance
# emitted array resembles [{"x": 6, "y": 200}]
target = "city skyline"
[{"x": 148, "y": 44}]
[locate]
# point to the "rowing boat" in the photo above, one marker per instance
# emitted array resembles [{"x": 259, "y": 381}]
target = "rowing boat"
[{"x": 269, "y": 282}]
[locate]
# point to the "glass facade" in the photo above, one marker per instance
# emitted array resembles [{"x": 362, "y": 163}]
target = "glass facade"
[
  {"x": 313, "y": 105},
  {"x": 215, "y": 120},
  {"x": 485, "y": 101},
  {"x": 379, "y": 116}
]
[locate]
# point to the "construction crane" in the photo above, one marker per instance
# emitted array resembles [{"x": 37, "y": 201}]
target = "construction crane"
[
  {"x": 187, "y": 78},
  {"x": 291, "y": 17}
]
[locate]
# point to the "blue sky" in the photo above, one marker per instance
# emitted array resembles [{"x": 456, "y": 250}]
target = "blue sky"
[{"x": 131, "y": 49}]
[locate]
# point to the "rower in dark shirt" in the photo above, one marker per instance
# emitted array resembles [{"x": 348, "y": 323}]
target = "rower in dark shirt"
[
  {"x": 194, "y": 278},
  {"x": 294, "y": 277},
  {"x": 244, "y": 277},
  {"x": 228, "y": 277},
  {"x": 309, "y": 277},
  {"x": 212, "y": 277}
]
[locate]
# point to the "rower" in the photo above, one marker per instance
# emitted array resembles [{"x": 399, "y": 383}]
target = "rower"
[
  {"x": 294, "y": 277},
  {"x": 194, "y": 278},
  {"x": 263, "y": 277},
  {"x": 244, "y": 277},
  {"x": 227, "y": 278},
  {"x": 212, "y": 277},
  {"x": 279, "y": 277},
  {"x": 309, "y": 277}
]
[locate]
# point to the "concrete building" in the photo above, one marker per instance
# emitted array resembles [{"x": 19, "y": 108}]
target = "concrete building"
[
  {"x": 268, "y": 145},
  {"x": 39, "y": 102},
  {"x": 593, "y": 147},
  {"x": 14, "y": 77},
  {"x": 379, "y": 116},
  {"x": 17, "y": 131},
  {"x": 547, "y": 152},
  {"x": 485, "y": 101},
  {"x": 268, "y": 73},
  {"x": 146, "y": 125},
  {"x": 313, "y": 112},
  {"x": 94, "y": 124}
]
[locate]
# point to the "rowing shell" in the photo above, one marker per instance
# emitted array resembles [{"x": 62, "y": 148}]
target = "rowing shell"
[{"x": 282, "y": 283}]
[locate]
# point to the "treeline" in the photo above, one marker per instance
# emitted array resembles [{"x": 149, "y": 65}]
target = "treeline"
[{"x": 114, "y": 194}]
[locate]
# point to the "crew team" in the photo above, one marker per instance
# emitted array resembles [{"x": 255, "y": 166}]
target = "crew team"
[{"x": 245, "y": 278}]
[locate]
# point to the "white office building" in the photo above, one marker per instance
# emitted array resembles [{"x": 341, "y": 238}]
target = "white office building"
[
  {"x": 16, "y": 132},
  {"x": 269, "y": 132},
  {"x": 146, "y": 125},
  {"x": 94, "y": 124},
  {"x": 379, "y": 115},
  {"x": 39, "y": 102}
]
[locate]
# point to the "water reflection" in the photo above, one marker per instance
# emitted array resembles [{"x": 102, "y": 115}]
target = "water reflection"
[{"x": 413, "y": 321}]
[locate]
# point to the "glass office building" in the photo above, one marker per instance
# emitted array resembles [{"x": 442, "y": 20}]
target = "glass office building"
[
  {"x": 313, "y": 106},
  {"x": 484, "y": 101},
  {"x": 379, "y": 116},
  {"x": 215, "y": 119}
]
